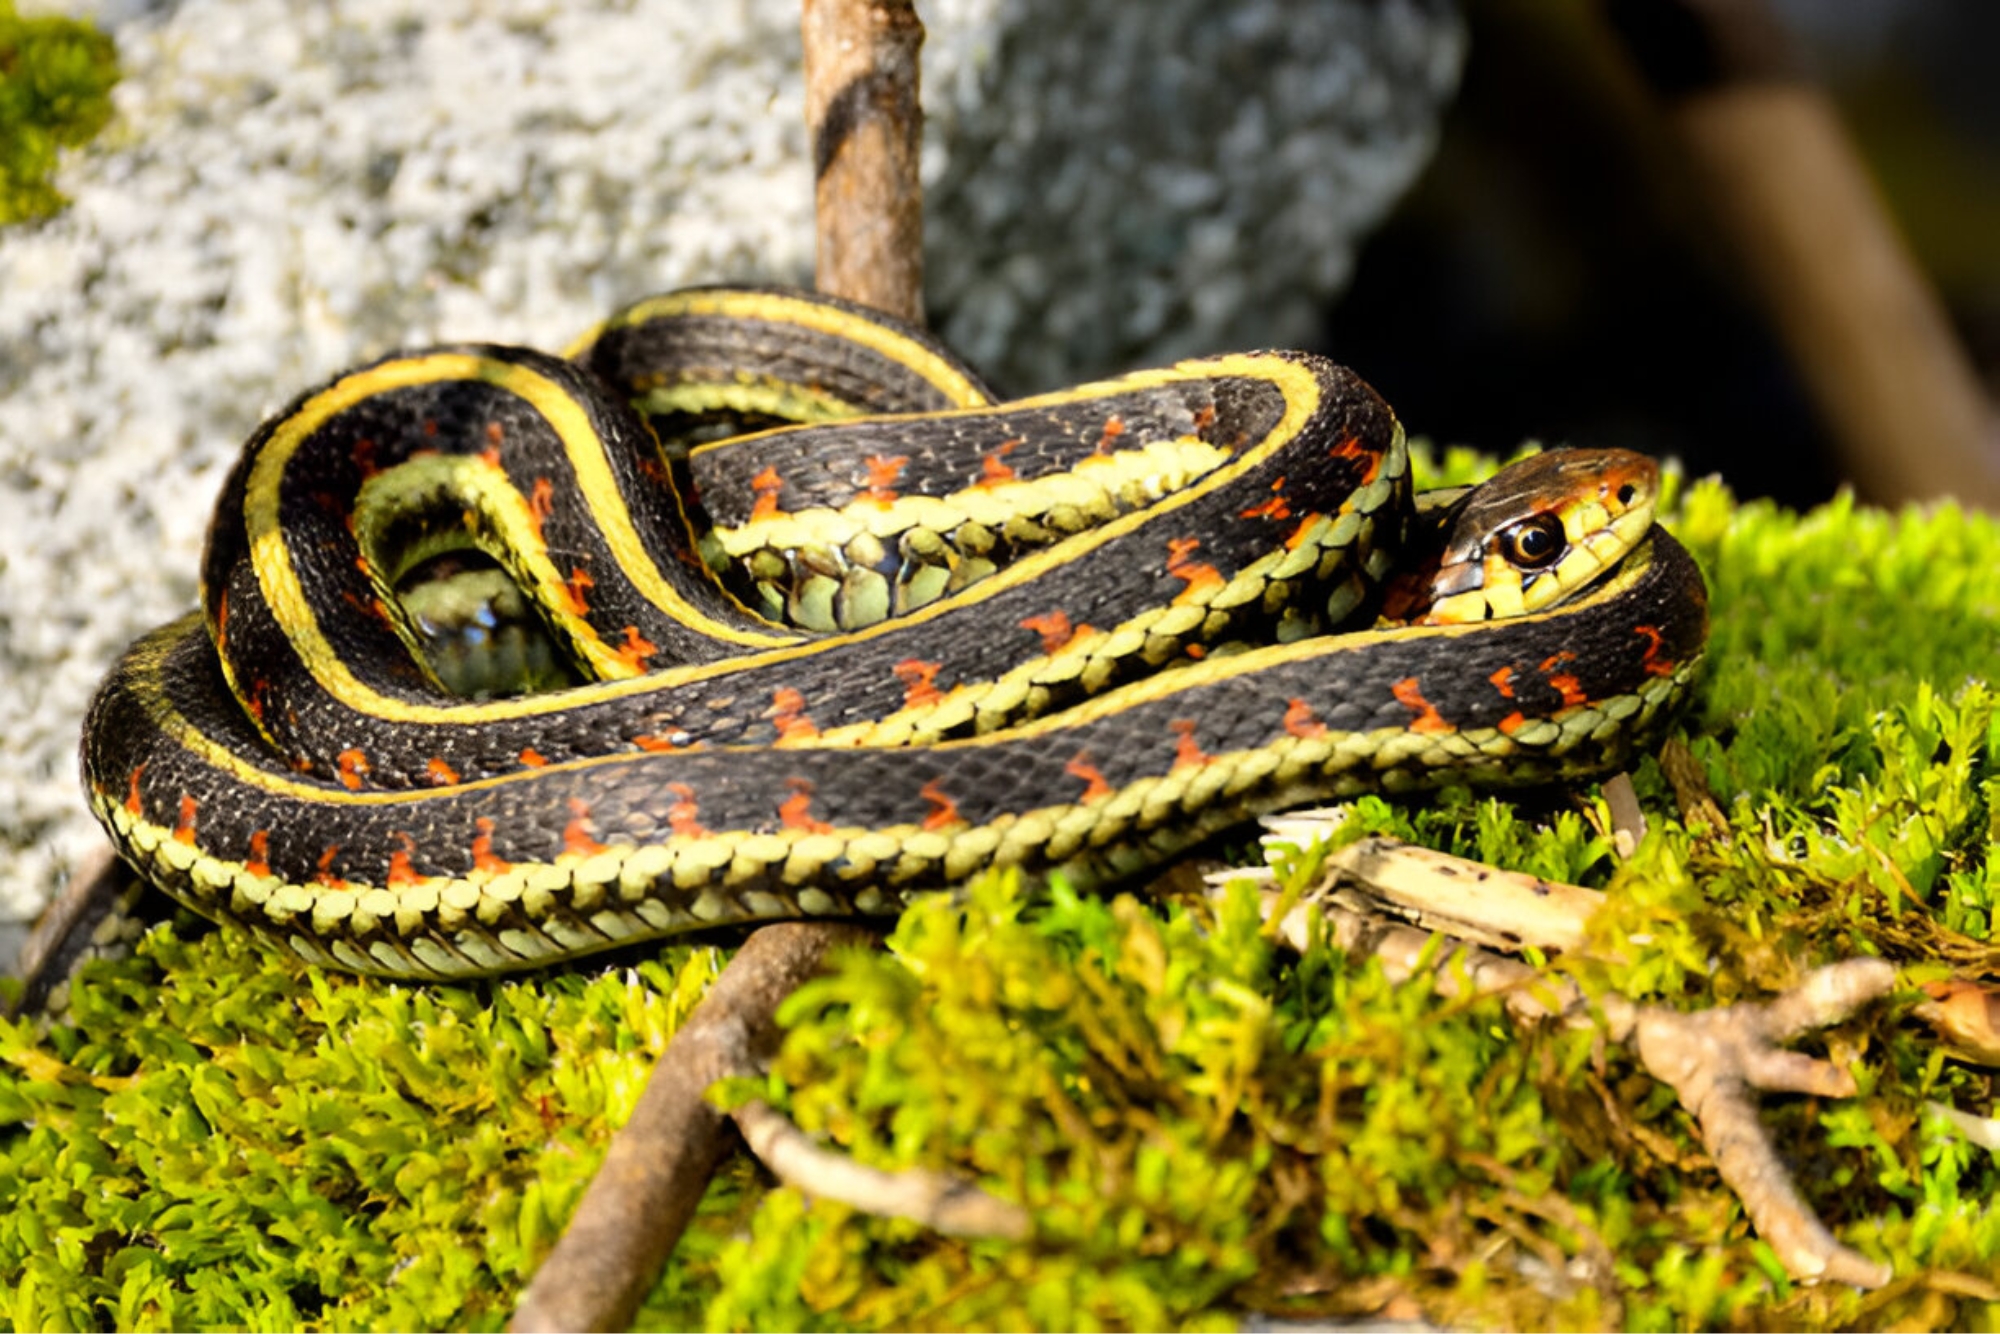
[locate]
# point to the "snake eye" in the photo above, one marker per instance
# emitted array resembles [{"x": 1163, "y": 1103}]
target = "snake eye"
[{"x": 1534, "y": 544}]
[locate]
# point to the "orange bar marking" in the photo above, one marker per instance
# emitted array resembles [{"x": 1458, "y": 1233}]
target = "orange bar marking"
[
  {"x": 532, "y": 759},
  {"x": 353, "y": 768},
  {"x": 1277, "y": 507},
  {"x": 184, "y": 827},
  {"x": 133, "y": 805},
  {"x": 681, "y": 815},
  {"x": 788, "y": 715},
  {"x": 637, "y": 650},
  {"x": 917, "y": 677},
  {"x": 795, "y": 811},
  {"x": 1503, "y": 681},
  {"x": 576, "y": 834},
  {"x": 1199, "y": 576},
  {"x": 541, "y": 503},
  {"x": 1352, "y": 448},
  {"x": 483, "y": 857},
  {"x": 575, "y": 591},
  {"x": 1572, "y": 690},
  {"x": 766, "y": 484},
  {"x": 883, "y": 470},
  {"x": 1186, "y": 752},
  {"x": 325, "y": 875},
  {"x": 1055, "y": 629},
  {"x": 258, "y": 862},
  {"x": 1427, "y": 719},
  {"x": 1302, "y": 722},
  {"x": 992, "y": 471},
  {"x": 401, "y": 872},
  {"x": 1094, "y": 786},
  {"x": 1297, "y": 537},
  {"x": 1654, "y": 663},
  {"x": 944, "y": 811},
  {"x": 1114, "y": 427},
  {"x": 440, "y": 773}
]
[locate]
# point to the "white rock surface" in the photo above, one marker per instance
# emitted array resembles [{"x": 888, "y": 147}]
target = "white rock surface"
[{"x": 291, "y": 188}]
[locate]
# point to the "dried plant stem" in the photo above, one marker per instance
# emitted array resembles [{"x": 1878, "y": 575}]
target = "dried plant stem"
[
  {"x": 1816, "y": 245},
  {"x": 866, "y": 127},
  {"x": 1713, "y": 1060},
  {"x": 660, "y": 1163}
]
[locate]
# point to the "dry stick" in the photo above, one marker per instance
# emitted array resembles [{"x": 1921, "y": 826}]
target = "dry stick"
[
  {"x": 1713, "y": 1059},
  {"x": 866, "y": 128},
  {"x": 1891, "y": 382},
  {"x": 937, "y": 1200},
  {"x": 864, "y": 122},
  {"x": 659, "y": 1165}
]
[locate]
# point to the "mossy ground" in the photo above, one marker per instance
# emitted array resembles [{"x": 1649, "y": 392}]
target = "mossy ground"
[
  {"x": 1202, "y": 1123},
  {"x": 55, "y": 92}
]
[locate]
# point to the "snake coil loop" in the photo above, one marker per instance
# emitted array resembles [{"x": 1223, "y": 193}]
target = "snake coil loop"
[{"x": 912, "y": 634}]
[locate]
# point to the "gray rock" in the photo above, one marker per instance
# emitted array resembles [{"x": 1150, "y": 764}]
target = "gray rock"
[{"x": 293, "y": 188}]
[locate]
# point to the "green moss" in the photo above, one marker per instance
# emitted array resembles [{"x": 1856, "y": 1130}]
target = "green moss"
[
  {"x": 55, "y": 92},
  {"x": 1200, "y": 1123}
]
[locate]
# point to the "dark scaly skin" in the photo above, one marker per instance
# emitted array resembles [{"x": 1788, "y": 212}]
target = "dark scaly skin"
[{"x": 604, "y": 839}]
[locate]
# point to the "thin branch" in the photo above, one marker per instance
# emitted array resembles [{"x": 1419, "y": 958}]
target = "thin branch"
[
  {"x": 1793, "y": 200},
  {"x": 1713, "y": 1060},
  {"x": 866, "y": 127},
  {"x": 863, "y": 117},
  {"x": 947, "y": 1204},
  {"x": 659, "y": 1165}
]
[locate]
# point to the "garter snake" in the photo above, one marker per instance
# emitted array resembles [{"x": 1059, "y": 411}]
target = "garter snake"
[{"x": 1080, "y": 631}]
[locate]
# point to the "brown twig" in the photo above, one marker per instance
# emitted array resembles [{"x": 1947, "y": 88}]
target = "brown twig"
[
  {"x": 866, "y": 127},
  {"x": 1793, "y": 201},
  {"x": 659, "y": 1165},
  {"x": 864, "y": 122},
  {"x": 1712, "y": 1059},
  {"x": 90, "y": 914},
  {"x": 943, "y": 1203}
]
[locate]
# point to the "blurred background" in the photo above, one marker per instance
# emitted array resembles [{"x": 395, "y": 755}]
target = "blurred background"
[{"x": 1562, "y": 269}]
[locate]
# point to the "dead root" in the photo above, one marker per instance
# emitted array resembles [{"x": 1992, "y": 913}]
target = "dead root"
[
  {"x": 659, "y": 1165},
  {"x": 1714, "y": 1060},
  {"x": 944, "y": 1203}
]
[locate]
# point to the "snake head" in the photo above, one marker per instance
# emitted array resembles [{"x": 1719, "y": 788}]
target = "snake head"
[{"x": 1532, "y": 535}]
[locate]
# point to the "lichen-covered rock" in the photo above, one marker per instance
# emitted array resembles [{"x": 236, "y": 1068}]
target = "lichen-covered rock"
[{"x": 290, "y": 189}]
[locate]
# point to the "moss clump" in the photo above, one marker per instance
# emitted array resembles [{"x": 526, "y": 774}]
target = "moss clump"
[
  {"x": 1201, "y": 1124},
  {"x": 55, "y": 92}
]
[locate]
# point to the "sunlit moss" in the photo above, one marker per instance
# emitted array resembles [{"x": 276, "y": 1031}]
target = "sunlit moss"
[{"x": 1201, "y": 1124}]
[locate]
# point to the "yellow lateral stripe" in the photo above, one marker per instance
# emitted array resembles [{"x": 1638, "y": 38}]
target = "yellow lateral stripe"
[
  {"x": 1193, "y": 675},
  {"x": 476, "y": 483},
  {"x": 778, "y": 308},
  {"x": 1298, "y": 384},
  {"x": 271, "y": 555}
]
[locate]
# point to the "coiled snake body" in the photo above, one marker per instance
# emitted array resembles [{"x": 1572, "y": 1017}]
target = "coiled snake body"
[{"x": 1081, "y": 631}]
